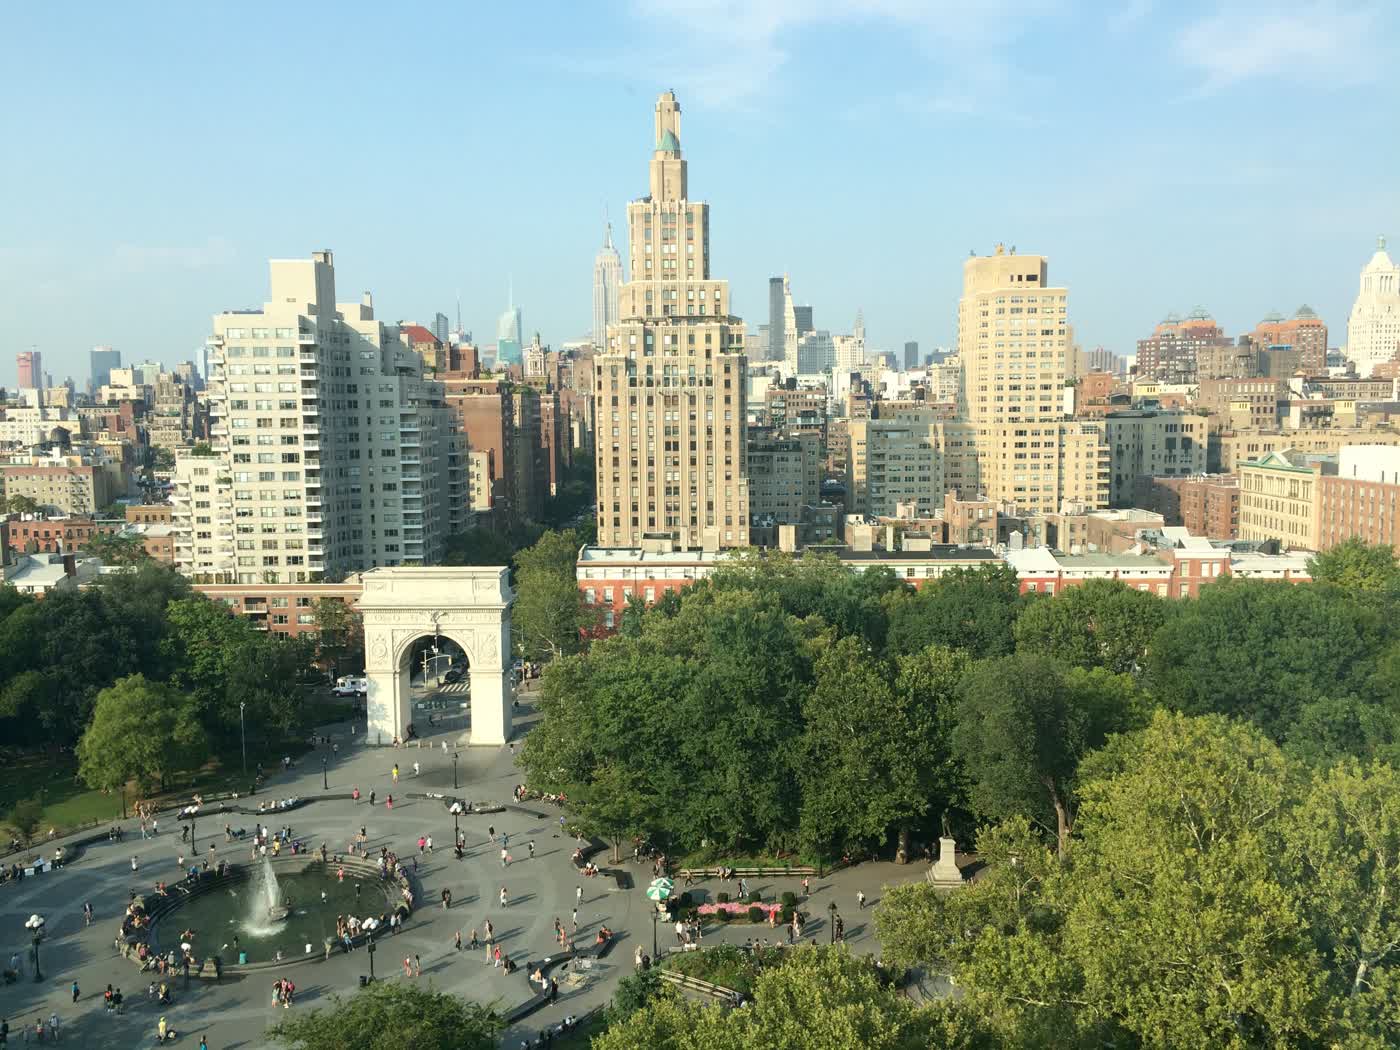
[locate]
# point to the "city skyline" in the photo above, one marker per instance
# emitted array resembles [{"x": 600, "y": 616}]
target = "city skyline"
[{"x": 906, "y": 177}]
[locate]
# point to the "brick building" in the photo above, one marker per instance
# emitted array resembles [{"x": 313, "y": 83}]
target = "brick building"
[{"x": 1206, "y": 505}]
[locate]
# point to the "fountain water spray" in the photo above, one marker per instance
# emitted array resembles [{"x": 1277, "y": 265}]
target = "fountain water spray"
[{"x": 265, "y": 907}]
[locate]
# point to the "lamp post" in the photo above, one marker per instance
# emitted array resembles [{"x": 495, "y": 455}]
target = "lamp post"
[
  {"x": 653, "y": 934},
  {"x": 454, "y": 771},
  {"x": 370, "y": 948},
  {"x": 194, "y": 847},
  {"x": 831, "y": 920},
  {"x": 35, "y": 924},
  {"x": 243, "y": 735},
  {"x": 325, "y": 784}
]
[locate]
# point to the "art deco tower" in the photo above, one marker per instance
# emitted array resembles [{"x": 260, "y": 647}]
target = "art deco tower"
[
  {"x": 607, "y": 279},
  {"x": 670, "y": 381}
]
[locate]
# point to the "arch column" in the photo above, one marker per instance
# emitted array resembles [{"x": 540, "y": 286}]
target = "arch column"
[{"x": 468, "y": 604}]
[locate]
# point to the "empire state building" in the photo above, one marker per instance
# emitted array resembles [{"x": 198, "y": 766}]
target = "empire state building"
[{"x": 671, "y": 380}]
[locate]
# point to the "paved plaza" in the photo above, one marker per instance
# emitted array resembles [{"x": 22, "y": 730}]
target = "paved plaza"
[{"x": 237, "y": 1011}]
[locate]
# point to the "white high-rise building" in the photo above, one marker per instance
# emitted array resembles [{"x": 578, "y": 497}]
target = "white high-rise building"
[
  {"x": 607, "y": 279},
  {"x": 1373, "y": 330},
  {"x": 331, "y": 451}
]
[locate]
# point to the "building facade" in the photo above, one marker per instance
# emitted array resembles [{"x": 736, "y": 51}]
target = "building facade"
[
  {"x": 1146, "y": 443},
  {"x": 1373, "y": 329},
  {"x": 671, "y": 380}
]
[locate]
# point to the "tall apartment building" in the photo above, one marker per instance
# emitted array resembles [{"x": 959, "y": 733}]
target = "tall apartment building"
[
  {"x": 607, "y": 279},
  {"x": 484, "y": 411},
  {"x": 1145, "y": 443},
  {"x": 1373, "y": 330},
  {"x": 784, "y": 475},
  {"x": 331, "y": 443},
  {"x": 176, "y": 417},
  {"x": 1278, "y": 499},
  {"x": 911, "y": 355},
  {"x": 891, "y": 462},
  {"x": 1169, "y": 353},
  {"x": 1304, "y": 333},
  {"x": 1015, "y": 345},
  {"x": 1206, "y": 505},
  {"x": 671, "y": 380},
  {"x": 82, "y": 480}
]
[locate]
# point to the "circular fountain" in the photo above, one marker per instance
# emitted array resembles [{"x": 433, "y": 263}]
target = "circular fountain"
[{"x": 273, "y": 914}]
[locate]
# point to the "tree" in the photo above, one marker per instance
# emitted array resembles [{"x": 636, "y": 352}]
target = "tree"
[
  {"x": 1355, "y": 565},
  {"x": 927, "y": 683},
  {"x": 1020, "y": 732},
  {"x": 390, "y": 1015},
  {"x": 1100, "y": 623},
  {"x": 25, "y": 816},
  {"x": 548, "y": 612},
  {"x": 21, "y": 504},
  {"x": 162, "y": 459},
  {"x": 33, "y": 701},
  {"x": 142, "y": 731},
  {"x": 1262, "y": 652},
  {"x": 201, "y": 448},
  {"x": 118, "y": 548},
  {"x": 820, "y": 998},
  {"x": 340, "y": 635},
  {"x": 971, "y": 609},
  {"x": 615, "y": 805},
  {"x": 478, "y": 547}
]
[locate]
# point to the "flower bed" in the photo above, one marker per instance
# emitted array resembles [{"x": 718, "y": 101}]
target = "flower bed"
[{"x": 737, "y": 911}]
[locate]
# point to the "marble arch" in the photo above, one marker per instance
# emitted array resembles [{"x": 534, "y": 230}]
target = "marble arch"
[{"x": 468, "y": 604}]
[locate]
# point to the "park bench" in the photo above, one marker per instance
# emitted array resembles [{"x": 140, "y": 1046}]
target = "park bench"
[{"x": 695, "y": 984}]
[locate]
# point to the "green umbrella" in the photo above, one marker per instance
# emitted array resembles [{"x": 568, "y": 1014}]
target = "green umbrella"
[{"x": 660, "y": 889}]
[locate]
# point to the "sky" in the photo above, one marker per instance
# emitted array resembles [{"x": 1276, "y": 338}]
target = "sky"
[{"x": 1230, "y": 154}]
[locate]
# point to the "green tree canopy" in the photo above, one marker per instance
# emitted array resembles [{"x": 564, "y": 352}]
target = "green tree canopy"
[
  {"x": 548, "y": 613},
  {"x": 1355, "y": 565},
  {"x": 142, "y": 731},
  {"x": 1100, "y": 623},
  {"x": 970, "y": 609},
  {"x": 390, "y": 1015}
]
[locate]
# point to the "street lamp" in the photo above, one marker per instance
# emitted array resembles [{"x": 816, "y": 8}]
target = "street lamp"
[
  {"x": 35, "y": 923},
  {"x": 454, "y": 771},
  {"x": 831, "y": 920},
  {"x": 325, "y": 784},
  {"x": 243, "y": 735},
  {"x": 370, "y": 948},
  {"x": 194, "y": 848},
  {"x": 653, "y": 933}
]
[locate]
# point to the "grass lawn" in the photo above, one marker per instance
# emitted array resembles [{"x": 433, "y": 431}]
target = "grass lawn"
[
  {"x": 69, "y": 803},
  {"x": 711, "y": 859}
]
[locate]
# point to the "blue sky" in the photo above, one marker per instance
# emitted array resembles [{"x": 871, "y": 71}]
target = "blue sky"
[{"x": 1236, "y": 155}]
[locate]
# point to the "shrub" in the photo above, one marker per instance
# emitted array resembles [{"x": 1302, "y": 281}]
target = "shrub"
[
  {"x": 755, "y": 897},
  {"x": 720, "y": 915},
  {"x": 723, "y": 897},
  {"x": 685, "y": 901},
  {"x": 756, "y": 914},
  {"x": 785, "y": 915},
  {"x": 789, "y": 898}
]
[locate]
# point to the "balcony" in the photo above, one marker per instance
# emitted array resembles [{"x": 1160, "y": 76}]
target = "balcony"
[{"x": 306, "y": 338}]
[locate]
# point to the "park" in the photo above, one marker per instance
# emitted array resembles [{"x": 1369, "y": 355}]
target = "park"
[{"x": 775, "y": 757}]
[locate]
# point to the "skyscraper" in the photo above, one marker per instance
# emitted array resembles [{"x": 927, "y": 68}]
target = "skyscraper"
[
  {"x": 508, "y": 338},
  {"x": 29, "y": 366},
  {"x": 607, "y": 279},
  {"x": 1373, "y": 331},
  {"x": 671, "y": 381},
  {"x": 440, "y": 327},
  {"x": 101, "y": 361},
  {"x": 911, "y": 355},
  {"x": 777, "y": 312},
  {"x": 1014, "y": 341}
]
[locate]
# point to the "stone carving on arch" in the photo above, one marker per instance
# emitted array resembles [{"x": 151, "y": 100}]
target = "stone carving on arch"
[{"x": 467, "y": 605}]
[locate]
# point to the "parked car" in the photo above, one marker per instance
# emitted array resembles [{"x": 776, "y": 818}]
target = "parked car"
[{"x": 453, "y": 675}]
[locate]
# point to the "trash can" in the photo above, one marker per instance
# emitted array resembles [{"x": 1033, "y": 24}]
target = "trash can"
[{"x": 242, "y": 958}]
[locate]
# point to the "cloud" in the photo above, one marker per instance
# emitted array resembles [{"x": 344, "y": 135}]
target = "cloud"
[
  {"x": 134, "y": 258},
  {"x": 1328, "y": 41},
  {"x": 731, "y": 52}
]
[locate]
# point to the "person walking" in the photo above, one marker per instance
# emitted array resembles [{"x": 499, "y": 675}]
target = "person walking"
[
  {"x": 133, "y": 862},
  {"x": 416, "y": 769},
  {"x": 87, "y": 913},
  {"x": 860, "y": 899},
  {"x": 417, "y": 965},
  {"x": 806, "y": 887},
  {"x": 578, "y": 896},
  {"x": 457, "y": 941},
  {"x": 447, "y": 903},
  {"x": 395, "y": 772},
  {"x": 505, "y": 858},
  {"x": 531, "y": 847},
  {"x": 75, "y": 991},
  {"x": 505, "y": 898},
  {"x": 407, "y": 966}
]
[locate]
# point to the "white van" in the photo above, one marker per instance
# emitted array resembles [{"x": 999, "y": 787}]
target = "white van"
[{"x": 349, "y": 685}]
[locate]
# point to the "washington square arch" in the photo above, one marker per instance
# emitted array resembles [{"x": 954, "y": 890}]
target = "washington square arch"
[{"x": 469, "y": 606}]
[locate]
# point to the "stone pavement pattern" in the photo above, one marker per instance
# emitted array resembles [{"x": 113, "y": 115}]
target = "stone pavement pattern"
[{"x": 236, "y": 1012}]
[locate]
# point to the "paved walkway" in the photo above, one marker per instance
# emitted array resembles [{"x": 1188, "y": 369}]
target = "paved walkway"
[{"x": 236, "y": 1012}]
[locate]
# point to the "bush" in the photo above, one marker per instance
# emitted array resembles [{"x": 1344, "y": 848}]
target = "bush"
[
  {"x": 723, "y": 898},
  {"x": 756, "y": 914},
  {"x": 785, "y": 915},
  {"x": 755, "y": 897},
  {"x": 685, "y": 901},
  {"x": 789, "y": 899},
  {"x": 720, "y": 915}
]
